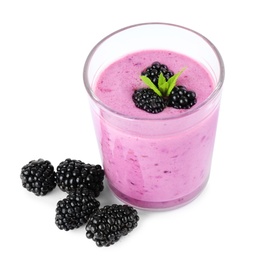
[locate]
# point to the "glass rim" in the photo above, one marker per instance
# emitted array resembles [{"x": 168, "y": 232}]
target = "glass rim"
[{"x": 193, "y": 110}]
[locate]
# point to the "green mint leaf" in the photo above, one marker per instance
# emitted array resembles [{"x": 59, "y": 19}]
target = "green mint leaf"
[
  {"x": 161, "y": 79},
  {"x": 162, "y": 84},
  {"x": 151, "y": 85},
  {"x": 163, "y": 88},
  {"x": 172, "y": 81}
]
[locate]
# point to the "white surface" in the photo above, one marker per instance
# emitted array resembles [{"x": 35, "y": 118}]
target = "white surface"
[{"x": 44, "y": 114}]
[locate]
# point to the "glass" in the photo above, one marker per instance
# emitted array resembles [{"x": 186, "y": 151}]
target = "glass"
[{"x": 130, "y": 174}]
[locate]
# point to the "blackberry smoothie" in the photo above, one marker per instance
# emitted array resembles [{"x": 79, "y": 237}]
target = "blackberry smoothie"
[{"x": 154, "y": 161}]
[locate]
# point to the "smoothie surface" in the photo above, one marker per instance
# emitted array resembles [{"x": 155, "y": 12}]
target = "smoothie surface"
[{"x": 115, "y": 84}]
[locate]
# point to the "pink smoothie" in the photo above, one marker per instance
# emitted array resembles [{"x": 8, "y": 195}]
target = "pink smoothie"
[{"x": 154, "y": 160}]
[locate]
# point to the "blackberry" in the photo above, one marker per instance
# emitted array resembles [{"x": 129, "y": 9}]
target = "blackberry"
[
  {"x": 38, "y": 176},
  {"x": 73, "y": 174},
  {"x": 181, "y": 98},
  {"x": 154, "y": 71},
  {"x": 94, "y": 177},
  {"x": 107, "y": 225},
  {"x": 146, "y": 99},
  {"x": 74, "y": 211}
]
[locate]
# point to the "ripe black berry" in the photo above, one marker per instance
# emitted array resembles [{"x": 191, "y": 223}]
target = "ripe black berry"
[
  {"x": 74, "y": 211},
  {"x": 73, "y": 174},
  {"x": 154, "y": 71},
  {"x": 108, "y": 224},
  {"x": 146, "y": 99},
  {"x": 181, "y": 98},
  {"x": 38, "y": 176},
  {"x": 94, "y": 177}
]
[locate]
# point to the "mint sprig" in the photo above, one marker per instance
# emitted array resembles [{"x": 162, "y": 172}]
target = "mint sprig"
[{"x": 164, "y": 87}]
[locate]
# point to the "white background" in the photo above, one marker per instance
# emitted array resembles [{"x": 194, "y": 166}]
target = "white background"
[{"x": 44, "y": 114}]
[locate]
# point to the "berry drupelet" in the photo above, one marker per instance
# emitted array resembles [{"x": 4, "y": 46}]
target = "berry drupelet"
[
  {"x": 146, "y": 99},
  {"x": 38, "y": 176},
  {"x": 181, "y": 98},
  {"x": 154, "y": 71},
  {"x": 108, "y": 224},
  {"x": 73, "y": 174},
  {"x": 74, "y": 211}
]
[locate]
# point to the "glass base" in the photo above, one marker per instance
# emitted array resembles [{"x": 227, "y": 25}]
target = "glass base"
[{"x": 164, "y": 205}]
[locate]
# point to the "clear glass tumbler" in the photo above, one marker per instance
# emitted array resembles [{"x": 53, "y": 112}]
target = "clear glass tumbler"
[{"x": 141, "y": 178}]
